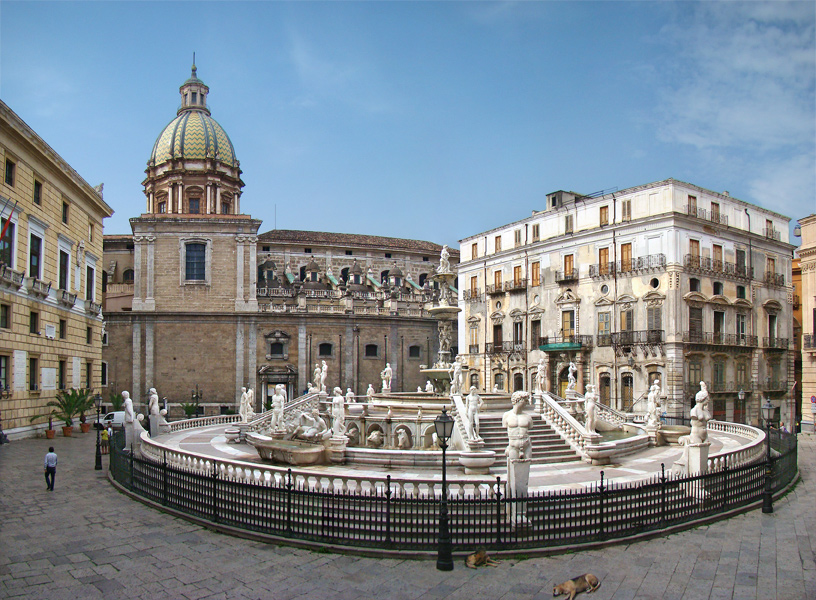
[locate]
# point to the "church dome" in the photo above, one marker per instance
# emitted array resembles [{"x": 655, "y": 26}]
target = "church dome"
[{"x": 193, "y": 134}]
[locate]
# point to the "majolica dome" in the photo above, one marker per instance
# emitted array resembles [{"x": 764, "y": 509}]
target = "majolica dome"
[{"x": 193, "y": 134}]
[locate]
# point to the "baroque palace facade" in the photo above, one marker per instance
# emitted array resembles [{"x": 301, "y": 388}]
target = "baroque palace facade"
[
  {"x": 50, "y": 289},
  {"x": 807, "y": 263},
  {"x": 197, "y": 301},
  {"x": 665, "y": 281}
]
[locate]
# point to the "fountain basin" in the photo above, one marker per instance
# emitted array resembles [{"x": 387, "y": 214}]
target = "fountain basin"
[
  {"x": 670, "y": 434},
  {"x": 478, "y": 462},
  {"x": 288, "y": 452}
]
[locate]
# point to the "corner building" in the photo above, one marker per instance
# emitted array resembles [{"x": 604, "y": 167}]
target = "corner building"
[
  {"x": 50, "y": 289},
  {"x": 665, "y": 281},
  {"x": 196, "y": 298}
]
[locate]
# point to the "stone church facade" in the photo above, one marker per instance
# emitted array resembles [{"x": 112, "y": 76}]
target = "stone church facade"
[{"x": 197, "y": 301}]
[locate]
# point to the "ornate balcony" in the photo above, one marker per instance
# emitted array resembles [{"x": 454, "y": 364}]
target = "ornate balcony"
[
  {"x": 565, "y": 342},
  {"x": 719, "y": 339},
  {"x": 771, "y": 384},
  {"x": 473, "y": 295},
  {"x": 38, "y": 287},
  {"x": 93, "y": 308},
  {"x": 630, "y": 338},
  {"x": 771, "y": 233},
  {"x": 642, "y": 264},
  {"x": 809, "y": 342},
  {"x": 712, "y": 216},
  {"x": 517, "y": 285},
  {"x": 11, "y": 277},
  {"x": 66, "y": 297},
  {"x": 492, "y": 289},
  {"x": 774, "y": 279},
  {"x": 566, "y": 276},
  {"x": 710, "y": 266},
  {"x": 776, "y": 343},
  {"x": 473, "y": 349}
]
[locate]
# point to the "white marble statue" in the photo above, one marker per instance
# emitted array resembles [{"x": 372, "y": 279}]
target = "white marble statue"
[
  {"x": 456, "y": 376},
  {"x": 278, "y": 402},
  {"x": 419, "y": 389},
  {"x": 312, "y": 427},
  {"x": 444, "y": 260},
  {"x": 338, "y": 412},
  {"x": 350, "y": 396},
  {"x": 429, "y": 388},
  {"x": 495, "y": 388},
  {"x": 137, "y": 430},
  {"x": 370, "y": 393},
  {"x": 250, "y": 411},
  {"x": 386, "y": 375},
  {"x": 474, "y": 404},
  {"x": 541, "y": 376},
  {"x": 242, "y": 406},
  {"x": 700, "y": 416},
  {"x": 130, "y": 417},
  {"x": 590, "y": 408},
  {"x": 653, "y": 405},
  {"x": 518, "y": 426},
  {"x": 153, "y": 402},
  {"x": 316, "y": 376},
  {"x": 571, "y": 377},
  {"x": 324, "y": 373}
]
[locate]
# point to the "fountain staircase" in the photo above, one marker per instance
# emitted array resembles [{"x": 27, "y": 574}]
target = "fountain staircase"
[{"x": 548, "y": 447}]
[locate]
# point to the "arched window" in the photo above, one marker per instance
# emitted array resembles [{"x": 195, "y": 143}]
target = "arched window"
[
  {"x": 384, "y": 277},
  {"x": 127, "y": 276},
  {"x": 605, "y": 388},
  {"x": 474, "y": 380},
  {"x": 414, "y": 351},
  {"x": 371, "y": 350},
  {"x": 344, "y": 274},
  {"x": 324, "y": 349},
  {"x": 518, "y": 382},
  {"x": 422, "y": 278},
  {"x": 303, "y": 273}
]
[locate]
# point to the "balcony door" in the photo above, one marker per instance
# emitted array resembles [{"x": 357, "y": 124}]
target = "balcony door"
[
  {"x": 626, "y": 257},
  {"x": 695, "y": 323},
  {"x": 603, "y": 261}
]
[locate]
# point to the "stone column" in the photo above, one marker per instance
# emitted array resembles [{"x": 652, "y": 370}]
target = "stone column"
[
  {"x": 180, "y": 198},
  {"x": 136, "y": 384},
  {"x": 209, "y": 199},
  {"x": 217, "y": 199}
]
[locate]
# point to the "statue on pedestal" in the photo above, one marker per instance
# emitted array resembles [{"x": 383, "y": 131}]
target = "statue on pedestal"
[
  {"x": 338, "y": 413},
  {"x": 350, "y": 396},
  {"x": 518, "y": 428},
  {"x": 429, "y": 388},
  {"x": 242, "y": 407},
  {"x": 444, "y": 260},
  {"x": 324, "y": 373},
  {"x": 278, "y": 401},
  {"x": 316, "y": 376},
  {"x": 474, "y": 404},
  {"x": 541, "y": 376},
  {"x": 456, "y": 376},
  {"x": 590, "y": 408},
  {"x": 370, "y": 393},
  {"x": 653, "y": 405},
  {"x": 130, "y": 417},
  {"x": 573, "y": 370},
  {"x": 386, "y": 375},
  {"x": 700, "y": 416},
  {"x": 153, "y": 402}
]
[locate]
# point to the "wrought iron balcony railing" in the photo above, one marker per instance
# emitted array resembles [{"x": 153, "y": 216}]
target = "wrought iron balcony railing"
[
  {"x": 809, "y": 341},
  {"x": 771, "y": 233},
  {"x": 492, "y": 289},
  {"x": 719, "y": 339},
  {"x": 473, "y": 349},
  {"x": 652, "y": 262},
  {"x": 774, "y": 279},
  {"x": 628, "y": 338},
  {"x": 515, "y": 285},
  {"x": 584, "y": 341},
  {"x": 564, "y": 276},
  {"x": 704, "y": 264},
  {"x": 771, "y": 384},
  {"x": 713, "y": 216},
  {"x": 472, "y": 295},
  {"x": 775, "y": 342}
]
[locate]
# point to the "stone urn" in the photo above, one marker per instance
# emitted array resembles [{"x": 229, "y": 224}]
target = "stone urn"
[{"x": 478, "y": 462}]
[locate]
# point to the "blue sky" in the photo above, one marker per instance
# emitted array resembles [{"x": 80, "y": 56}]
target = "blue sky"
[{"x": 428, "y": 120}]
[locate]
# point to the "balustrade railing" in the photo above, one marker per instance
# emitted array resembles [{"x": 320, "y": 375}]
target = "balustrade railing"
[
  {"x": 10, "y": 276},
  {"x": 276, "y": 292}
]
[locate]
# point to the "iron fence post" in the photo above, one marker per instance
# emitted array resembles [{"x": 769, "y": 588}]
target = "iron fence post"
[
  {"x": 725, "y": 486},
  {"x": 164, "y": 477},
  {"x": 214, "y": 478},
  {"x": 130, "y": 457},
  {"x": 662, "y": 493},
  {"x": 289, "y": 486},
  {"x": 388, "y": 510},
  {"x": 601, "y": 489},
  {"x": 498, "y": 512}
]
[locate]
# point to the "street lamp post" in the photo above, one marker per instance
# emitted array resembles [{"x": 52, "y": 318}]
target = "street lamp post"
[
  {"x": 443, "y": 425},
  {"x": 767, "y": 496},
  {"x": 98, "y": 401}
]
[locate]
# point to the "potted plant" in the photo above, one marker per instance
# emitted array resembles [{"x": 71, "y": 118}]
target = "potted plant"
[
  {"x": 84, "y": 401},
  {"x": 50, "y": 432},
  {"x": 65, "y": 407}
]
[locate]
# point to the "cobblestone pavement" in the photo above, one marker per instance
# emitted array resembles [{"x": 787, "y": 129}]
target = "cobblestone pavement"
[{"x": 87, "y": 540}]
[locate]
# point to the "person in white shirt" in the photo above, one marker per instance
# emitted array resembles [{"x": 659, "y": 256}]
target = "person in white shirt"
[{"x": 50, "y": 468}]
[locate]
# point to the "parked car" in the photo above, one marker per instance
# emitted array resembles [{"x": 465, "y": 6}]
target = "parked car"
[{"x": 115, "y": 419}]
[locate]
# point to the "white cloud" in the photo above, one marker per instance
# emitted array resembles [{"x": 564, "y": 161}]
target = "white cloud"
[
  {"x": 787, "y": 186},
  {"x": 742, "y": 74}
]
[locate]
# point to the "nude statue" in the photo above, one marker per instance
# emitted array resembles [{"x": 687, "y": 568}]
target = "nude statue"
[
  {"x": 541, "y": 376},
  {"x": 324, "y": 373},
  {"x": 338, "y": 412},
  {"x": 590, "y": 408},
  {"x": 455, "y": 372},
  {"x": 312, "y": 427},
  {"x": 278, "y": 400},
  {"x": 130, "y": 417},
  {"x": 317, "y": 373},
  {"x": 700, "y": 416},
  {"x": 571, "y": 377},
  {"x": 386, "y": 375},
  {"x": 242, "y": 407},
  {"x": 370, "y": 393},
  {"x": 350, "y": 396},
  {"x": 518, "y": 428},
  {"x": 474, "y": 404},
  {"x": 444, "y": 260},
  {"x": 429, "y": 388},
  {"x": 653, "y": 405}
]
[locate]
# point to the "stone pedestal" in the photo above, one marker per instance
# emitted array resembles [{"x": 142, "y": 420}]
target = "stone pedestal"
[
  {"x": 154, "y": 425},
  {"x": 538, "y": 398},
  {"x": 652, "y": 431},
  {"x": 336, "y": 449},
  {"x": 242, "y": 431},
  {"x": 697, "y": 458},
  {"x": 518, "y": 479}
]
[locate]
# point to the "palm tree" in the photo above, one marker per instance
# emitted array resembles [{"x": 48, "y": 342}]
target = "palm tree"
[{"x": 67, "y": 405}]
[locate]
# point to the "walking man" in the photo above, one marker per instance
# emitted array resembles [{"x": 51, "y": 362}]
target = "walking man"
[{"x": 50, "y": 468}]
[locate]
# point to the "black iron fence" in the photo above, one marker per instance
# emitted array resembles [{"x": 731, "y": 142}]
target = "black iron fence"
[{"x": 386, "y": 519}]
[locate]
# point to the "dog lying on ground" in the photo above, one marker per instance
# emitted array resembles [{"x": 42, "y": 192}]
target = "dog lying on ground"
[
  {"x": 479, "y": 559},
  {"x": 585, "y": 583}
]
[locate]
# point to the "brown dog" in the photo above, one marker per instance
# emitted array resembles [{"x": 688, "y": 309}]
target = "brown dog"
[
  {"x": 479, "y": 559},
  {"x": 585, "y": 583}
]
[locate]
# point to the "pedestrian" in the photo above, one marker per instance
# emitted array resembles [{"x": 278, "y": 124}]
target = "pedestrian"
[
  {"x": 50, "y": 468},
  {"x": 105, "y": 438}
]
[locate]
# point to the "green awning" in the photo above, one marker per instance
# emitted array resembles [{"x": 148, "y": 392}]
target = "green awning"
[{"x": 561, "y": 346}]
